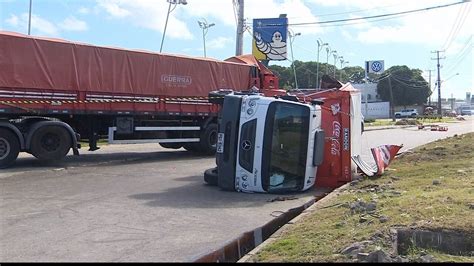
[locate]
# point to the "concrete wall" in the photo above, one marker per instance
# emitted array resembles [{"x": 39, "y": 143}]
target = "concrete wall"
[{"x": 376, "y": 110}]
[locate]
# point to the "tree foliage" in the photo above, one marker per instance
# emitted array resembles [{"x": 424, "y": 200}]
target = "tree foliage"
[
  {"x": 408, "y": 86},
  {"x": 306, "y": 74}
]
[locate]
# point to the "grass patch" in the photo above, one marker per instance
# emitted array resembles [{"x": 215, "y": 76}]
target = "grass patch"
[
  {"x": 429, "y": 188},
  {"x": 410, "y": 121}
]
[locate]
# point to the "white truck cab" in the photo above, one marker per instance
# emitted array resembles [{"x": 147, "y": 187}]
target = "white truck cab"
[{"x": 267, "y": 144}]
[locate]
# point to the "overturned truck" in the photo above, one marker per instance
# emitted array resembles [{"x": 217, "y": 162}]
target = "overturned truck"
[{"x": 287, "y": 143}]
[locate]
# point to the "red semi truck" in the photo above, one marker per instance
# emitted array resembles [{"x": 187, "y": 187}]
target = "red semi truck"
[{"x": 54, "y": 93}]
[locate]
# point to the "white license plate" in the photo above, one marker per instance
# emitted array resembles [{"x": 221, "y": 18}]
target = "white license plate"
[{"x": 220, "y": 143}]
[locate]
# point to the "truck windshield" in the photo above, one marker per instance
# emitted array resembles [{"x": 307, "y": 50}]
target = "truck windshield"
[{"x": 285, "y": 147}]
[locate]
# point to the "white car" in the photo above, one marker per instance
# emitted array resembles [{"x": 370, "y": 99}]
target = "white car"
[{"x": 406, "y": 113}]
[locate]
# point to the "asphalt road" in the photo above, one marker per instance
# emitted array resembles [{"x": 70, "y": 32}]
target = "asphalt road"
[{"x": 139, "y": 203}]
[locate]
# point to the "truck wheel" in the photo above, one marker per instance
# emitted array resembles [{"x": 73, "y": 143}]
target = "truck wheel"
[
  {"x": 209, "y": 139},
  {"x": 210, "y": 176},
  {"x": 9, "y": 148},
  {"x": 170, "y": 145},
  {"x": 50, "y": 143}
]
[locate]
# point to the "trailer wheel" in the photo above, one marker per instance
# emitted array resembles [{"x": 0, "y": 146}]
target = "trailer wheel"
[
  {"x": 9, "y": 148},
  {"x": 50, "y": 143},
  {"x": 210, "y": 176},
  {"x": 170, "y": 145},
  {"x": 209, "y": 139}
]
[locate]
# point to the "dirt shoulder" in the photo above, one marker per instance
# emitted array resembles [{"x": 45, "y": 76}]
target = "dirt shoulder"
[{"x": 420, "y": 210}]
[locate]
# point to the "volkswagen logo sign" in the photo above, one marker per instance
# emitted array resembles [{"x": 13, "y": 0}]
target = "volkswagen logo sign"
[{"x": 246, "y": 145}]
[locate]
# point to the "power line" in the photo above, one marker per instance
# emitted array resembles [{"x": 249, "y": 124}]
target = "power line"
[
  {"x": 455, "y": 30},
  {"x": 379, "y": 16},
  {"x": 461, "y": 55}
]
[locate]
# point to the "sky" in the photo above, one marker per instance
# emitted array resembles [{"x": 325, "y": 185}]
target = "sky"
[{"x": 398, "y": 40}]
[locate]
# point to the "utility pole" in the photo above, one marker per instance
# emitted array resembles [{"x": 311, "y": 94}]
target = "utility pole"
[
  {"x": 439, "y": 80},
  {"x": 391, "y": 99},
  {"x": 240, "y": 28}
]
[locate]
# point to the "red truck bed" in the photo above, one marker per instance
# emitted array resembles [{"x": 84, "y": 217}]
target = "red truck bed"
[{"x": 44, "y": 74}]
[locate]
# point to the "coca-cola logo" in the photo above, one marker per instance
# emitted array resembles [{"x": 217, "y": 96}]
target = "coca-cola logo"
[{"x": 336, "y": 133}]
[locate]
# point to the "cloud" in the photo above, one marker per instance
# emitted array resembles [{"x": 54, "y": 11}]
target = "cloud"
[
  {"x": 39, "y": 25},
  {"x": 220, "y": 42},
  {"x": 13, "y": 21},
  {"x": 222, "y": 12},
  {"x": 418, "y": 29},
  {"x": 115, "y": 8},
  {"x": 73, "y": 24},
  {"x": 84, "y": 10},
  {"x": 148, "y": 14}
]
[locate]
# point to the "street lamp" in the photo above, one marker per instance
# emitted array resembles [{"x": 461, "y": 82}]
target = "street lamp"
[
  {"x": 320, "y": 47},
  {"x": 174, "y": 3},
  {"x": 292, "y": 37},
  {"x": 328, "y": 49},
  {"x": 334, "y": 54},
  {"x": 204, "y": 26},
  {"x": 342, "y": 65}
]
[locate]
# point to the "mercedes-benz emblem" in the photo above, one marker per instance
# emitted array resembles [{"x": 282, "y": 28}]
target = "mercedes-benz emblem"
[{"x": 246, "y": 145}]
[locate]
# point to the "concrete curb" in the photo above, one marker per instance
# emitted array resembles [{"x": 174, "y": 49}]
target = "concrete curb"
[{"x": 249, "y": 257}]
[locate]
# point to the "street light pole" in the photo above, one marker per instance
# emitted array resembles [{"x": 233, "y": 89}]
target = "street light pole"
[
  {"x": 29, "y": 19},
  {"x": 292, "y": 37},
  {"x": 342, "y": 64},
  {"x": 320, "y": 47},
  {"x": 334, "y": 54},
  {"x": 175, "y": 3},
  {"x": 204, "y": 26},
  {"x": 327, "y": 58}
]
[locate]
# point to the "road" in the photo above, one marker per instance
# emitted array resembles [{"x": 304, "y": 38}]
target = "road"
[{"x": 145, "y": 204}]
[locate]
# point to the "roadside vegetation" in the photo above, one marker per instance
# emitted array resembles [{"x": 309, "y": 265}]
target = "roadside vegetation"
[
  {"x": 408, "y": 121},
  {"x": 430, "y": 188}
]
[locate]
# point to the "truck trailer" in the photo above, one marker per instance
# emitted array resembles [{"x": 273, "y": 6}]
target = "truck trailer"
[{"x": 54, "y": 93}]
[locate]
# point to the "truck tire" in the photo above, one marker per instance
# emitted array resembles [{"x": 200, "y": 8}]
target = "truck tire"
[
  {"x": 210, "y": 176},
  {"x": 208, "y": 141},
  {"x": 9, "y": 148},
  {"x": 50, "y": 143},
  {"x": 170, "y": 145}
]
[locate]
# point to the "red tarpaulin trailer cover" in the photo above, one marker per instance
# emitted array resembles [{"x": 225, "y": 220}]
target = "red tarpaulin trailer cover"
[{"x": 59, "y": 65}]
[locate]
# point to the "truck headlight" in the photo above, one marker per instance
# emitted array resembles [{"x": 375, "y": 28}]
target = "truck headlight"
[{"x": 250, "y": 111}]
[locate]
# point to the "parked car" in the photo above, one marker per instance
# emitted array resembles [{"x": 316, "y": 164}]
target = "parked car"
[
  {"x": 406, "y": 113},
  {"x": 466, "y": 110}
]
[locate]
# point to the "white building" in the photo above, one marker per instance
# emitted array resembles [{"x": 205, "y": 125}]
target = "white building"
[
  {"x": 368, "y": 91},
  {"x": 372, "y": 105}
]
